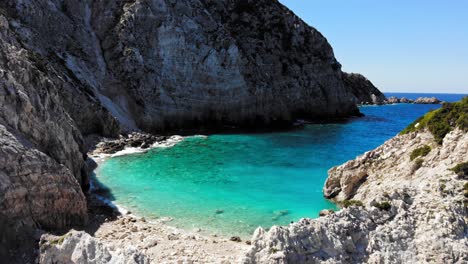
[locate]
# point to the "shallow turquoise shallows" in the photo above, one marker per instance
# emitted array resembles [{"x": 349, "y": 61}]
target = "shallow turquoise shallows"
[{"x": 231, "y": 184}]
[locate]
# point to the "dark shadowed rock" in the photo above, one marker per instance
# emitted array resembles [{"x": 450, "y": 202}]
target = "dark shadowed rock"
[{"x": 363, "y": 89}]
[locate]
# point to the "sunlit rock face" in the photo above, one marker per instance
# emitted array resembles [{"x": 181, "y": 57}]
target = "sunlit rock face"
[{"x": 159, "y": 64}]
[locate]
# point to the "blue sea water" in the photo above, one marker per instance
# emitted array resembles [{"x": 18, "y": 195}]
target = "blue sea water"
[{"x": 230, "y": 184}]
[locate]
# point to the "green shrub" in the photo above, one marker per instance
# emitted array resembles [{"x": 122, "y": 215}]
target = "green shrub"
[
  {"x": 348, "y": 203},
  {"x": 420, "y": 152},
  {"x": 416, "y": 165},
  {"x": 461, "y": 169},
  {"x": 383, "y": 206},
  {"x": 441, "y": 121}
]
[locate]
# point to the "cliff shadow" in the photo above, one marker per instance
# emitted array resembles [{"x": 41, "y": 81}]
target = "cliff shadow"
[{"x": 100, "y": 208}]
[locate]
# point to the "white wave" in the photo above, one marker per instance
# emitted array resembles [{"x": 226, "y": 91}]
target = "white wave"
[{"x": 170, "y": 142}]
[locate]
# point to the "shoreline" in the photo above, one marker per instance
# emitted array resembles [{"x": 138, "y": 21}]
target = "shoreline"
[
  {"x": 156, "y": 238},
  {"x": 102, "y": 192}
]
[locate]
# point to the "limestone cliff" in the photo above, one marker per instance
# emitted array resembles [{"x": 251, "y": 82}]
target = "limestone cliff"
[
  {"x": 405, "y": 202},
  {"x": 160, "y": 64},
  {"x": 70, "y": 68}
]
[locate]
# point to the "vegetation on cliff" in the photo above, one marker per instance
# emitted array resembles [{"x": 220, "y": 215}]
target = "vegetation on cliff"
[
  {"x": 420, "y": 152},
  {"x": 461, "y": 169},
  {"x": 348, "y": 203},
  {"x": 441, "y": 121}
]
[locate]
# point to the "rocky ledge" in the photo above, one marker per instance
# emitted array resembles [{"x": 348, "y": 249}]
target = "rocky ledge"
[
  {"x": 132, "y": 140},
  {"x": 404, "y": 202}
]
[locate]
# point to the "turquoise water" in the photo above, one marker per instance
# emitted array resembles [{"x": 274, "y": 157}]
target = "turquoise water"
[{"x": 230, "y": 184}]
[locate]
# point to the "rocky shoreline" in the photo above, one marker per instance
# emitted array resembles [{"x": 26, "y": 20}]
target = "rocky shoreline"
[
  {"x": 419, "y": 100},
  {"x": 406, "y": 207},
  {"x": 402, "y": 100},
  {"x": 391, "y": 212},
  {"x": 126, "y": 238},
  {"x": 116, "y": 234},
  {"x": 403, "y": 202}
]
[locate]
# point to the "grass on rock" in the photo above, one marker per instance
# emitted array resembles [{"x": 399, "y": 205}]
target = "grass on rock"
[
  {"x": 383, "y": 206},
  {"x": 461, "y": 169},
  {"x": 348, "y": 203},
  {"x": 417, "y": 165},
  {"x": 420, "y": 152}
]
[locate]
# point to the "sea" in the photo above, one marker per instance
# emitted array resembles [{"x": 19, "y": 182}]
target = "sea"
[{"x": 231, "y": 184}]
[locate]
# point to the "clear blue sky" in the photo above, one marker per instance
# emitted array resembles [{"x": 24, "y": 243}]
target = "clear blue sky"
[{"x": 400, "y": 45}]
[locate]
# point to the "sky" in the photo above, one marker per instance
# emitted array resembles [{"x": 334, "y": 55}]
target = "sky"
[{"x": 400, "y": 45}]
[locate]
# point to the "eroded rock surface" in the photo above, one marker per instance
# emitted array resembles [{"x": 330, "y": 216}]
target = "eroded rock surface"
[
  {"x": 80, "y": 247},
  {"x": 408, "y": 215},
  {"x": 160, "y": 64}
]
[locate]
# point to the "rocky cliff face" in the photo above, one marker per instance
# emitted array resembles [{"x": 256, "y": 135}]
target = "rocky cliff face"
[
  {"x": 41, "y": 160},
  {"x": 363, "y": 89},
  {"x": 43, "y": 114},
  {"x": 160, "y": 64},
  {"x": 69, "y": 69},
  {"x": 402, "y": 208}
]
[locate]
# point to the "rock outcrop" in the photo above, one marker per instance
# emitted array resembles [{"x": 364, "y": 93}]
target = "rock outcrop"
[
  {"x": 366, "y": 93},
  {"x": 80, "y": 247},
  {"x": 419, "y": 100},
  {"x": 404, "y": 205},
  {"x": 427, "y": 100}
]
